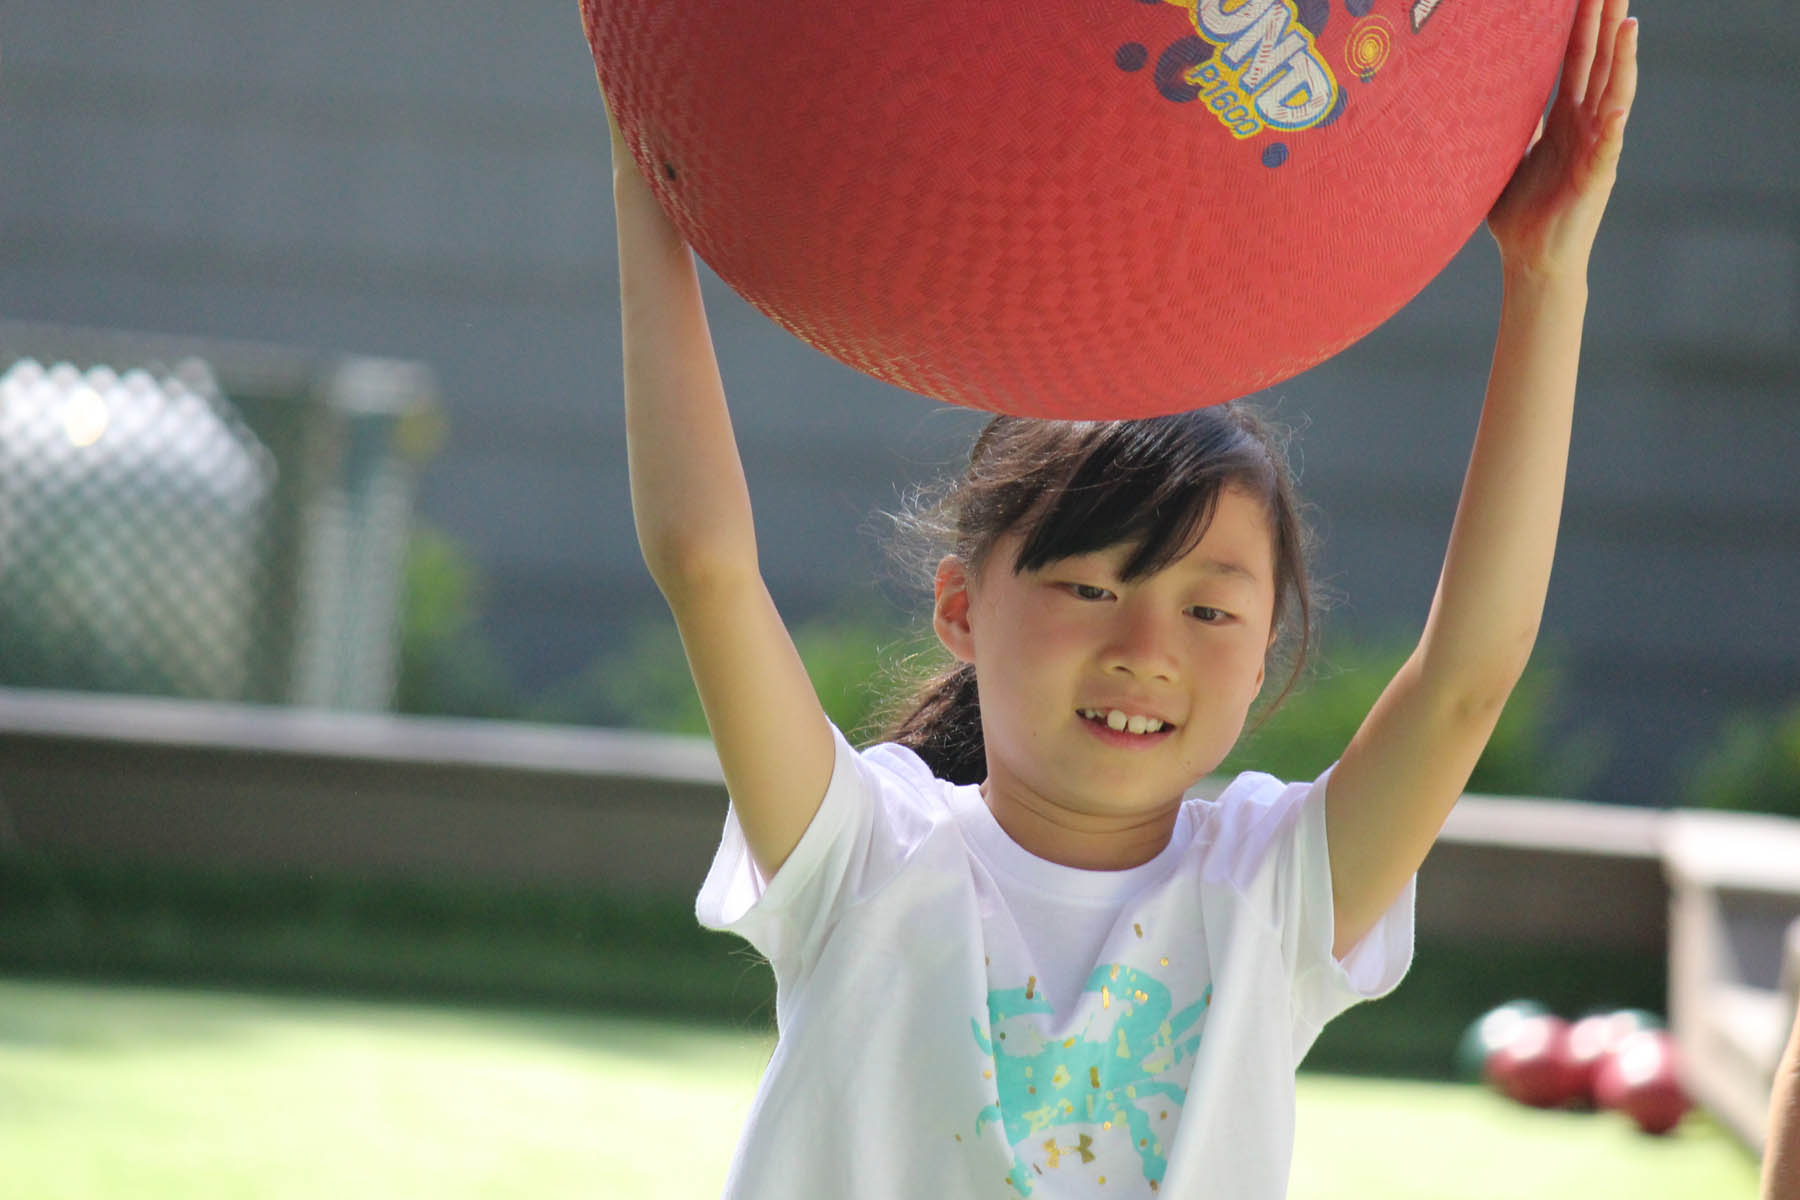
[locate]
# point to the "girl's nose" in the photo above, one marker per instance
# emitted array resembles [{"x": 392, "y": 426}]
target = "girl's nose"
[{"x": 1140, "y": 645}]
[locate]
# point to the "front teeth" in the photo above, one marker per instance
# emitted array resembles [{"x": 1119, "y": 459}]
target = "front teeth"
[{"x": 1117, "y": 719}]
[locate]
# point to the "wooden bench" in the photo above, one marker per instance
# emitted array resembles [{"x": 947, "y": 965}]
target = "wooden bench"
[{"x": 1734, "y": 957}]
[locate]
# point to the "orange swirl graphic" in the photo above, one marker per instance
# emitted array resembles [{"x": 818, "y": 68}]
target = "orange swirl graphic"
[{"x": 1366, "y": 49}]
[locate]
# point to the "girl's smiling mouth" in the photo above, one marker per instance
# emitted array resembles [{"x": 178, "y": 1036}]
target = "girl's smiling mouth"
[{"x": 1121, "y": 728}]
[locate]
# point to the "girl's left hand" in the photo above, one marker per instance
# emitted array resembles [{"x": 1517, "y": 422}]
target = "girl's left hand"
[{"x": 1546, "y": 219}]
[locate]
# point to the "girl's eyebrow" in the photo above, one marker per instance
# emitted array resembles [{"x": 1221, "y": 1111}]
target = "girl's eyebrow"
[
  {"x": 1221, "y": 568},
  {"x": 1226, "y": 568}
]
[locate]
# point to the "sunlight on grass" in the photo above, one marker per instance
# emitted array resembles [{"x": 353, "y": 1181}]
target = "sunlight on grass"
[
  {"x": 153, "y": 1093},
  {"x": 116, "y": 1091},
  {"x": 1405, "y": 1140}
]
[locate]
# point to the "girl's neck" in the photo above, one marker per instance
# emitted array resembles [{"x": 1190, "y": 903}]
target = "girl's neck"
[{"x": 1087, "y": 841}]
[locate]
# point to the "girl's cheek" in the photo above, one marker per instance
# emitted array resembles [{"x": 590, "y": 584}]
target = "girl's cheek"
[{"x": 1041, "y": 620}]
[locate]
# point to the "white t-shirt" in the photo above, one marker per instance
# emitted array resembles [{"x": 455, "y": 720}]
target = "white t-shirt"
[{"x": 960, "y": 1020}]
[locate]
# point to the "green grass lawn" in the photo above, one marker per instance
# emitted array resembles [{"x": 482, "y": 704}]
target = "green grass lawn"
[{"x": 151, "y": 1092}]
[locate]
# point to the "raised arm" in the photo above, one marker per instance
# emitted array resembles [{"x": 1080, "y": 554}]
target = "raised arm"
[
  {"x": 692, "y": 509},
  {"x": 1403, "y": 771}
]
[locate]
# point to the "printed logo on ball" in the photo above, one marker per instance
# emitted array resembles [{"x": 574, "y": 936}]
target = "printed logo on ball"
[
  {"x": 1262, "y": 66},
  {"x": 1267, "y": 72}
]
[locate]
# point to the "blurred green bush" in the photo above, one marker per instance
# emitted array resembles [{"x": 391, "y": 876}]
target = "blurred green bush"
[
  {"x": 447, "y": 665},
  {"x": 645, "y": 684},
  {"x": 1753, "y": 765},
  {"x": 856, "y": 660},
  {"x": 1530, "y": 753}
]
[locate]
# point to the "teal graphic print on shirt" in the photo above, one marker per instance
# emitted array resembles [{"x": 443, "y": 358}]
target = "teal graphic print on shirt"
[{"x": 1101, "y": 1083}]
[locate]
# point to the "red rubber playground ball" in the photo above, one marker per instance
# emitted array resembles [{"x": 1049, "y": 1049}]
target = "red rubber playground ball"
[{"x": 1078, "y": 208}]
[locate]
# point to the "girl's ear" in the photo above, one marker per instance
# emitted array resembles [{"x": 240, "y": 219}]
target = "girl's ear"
[{"x": 950, "y": 608}]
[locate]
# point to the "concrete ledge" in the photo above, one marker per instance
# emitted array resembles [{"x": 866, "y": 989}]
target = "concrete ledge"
[
  {"x": 156, "y": 723},
  {"x": 183, "y": 782},
  {"x": 1557, "y": 826}
]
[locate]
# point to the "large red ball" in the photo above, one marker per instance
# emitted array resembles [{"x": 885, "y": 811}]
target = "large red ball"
[{"x": 1078, "y": 208}]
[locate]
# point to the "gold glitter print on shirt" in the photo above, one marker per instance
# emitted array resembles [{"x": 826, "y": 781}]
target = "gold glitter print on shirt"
[{"x": 1103, "y": 1085}]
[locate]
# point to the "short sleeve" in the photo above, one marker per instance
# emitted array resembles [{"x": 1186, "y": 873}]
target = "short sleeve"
[
  {"x": 1270, "y": 847},
  {"x": 1324, "y": 985},
  {"x": 869, "y": 817}
]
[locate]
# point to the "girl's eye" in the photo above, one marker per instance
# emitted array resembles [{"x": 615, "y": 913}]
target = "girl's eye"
[
  {"x": 1088, "y": 591},
  {"x": 1207, "y": 615}
]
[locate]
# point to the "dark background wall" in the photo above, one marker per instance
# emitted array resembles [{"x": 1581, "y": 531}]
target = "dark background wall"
[{"x": 430, "y": 181}]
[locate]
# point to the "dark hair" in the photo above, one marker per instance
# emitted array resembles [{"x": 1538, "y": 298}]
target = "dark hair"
[{"x": 1074, "y": 487}]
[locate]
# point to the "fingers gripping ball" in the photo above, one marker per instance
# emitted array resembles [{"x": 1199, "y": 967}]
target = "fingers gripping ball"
[{"x": 1078, "y": 208}]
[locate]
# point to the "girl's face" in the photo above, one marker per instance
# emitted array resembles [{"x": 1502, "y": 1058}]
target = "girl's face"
[{"x": 1185, "y": 646}]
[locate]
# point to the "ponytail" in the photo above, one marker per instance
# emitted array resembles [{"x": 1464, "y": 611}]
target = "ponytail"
[{"x": 942, "y": 725}]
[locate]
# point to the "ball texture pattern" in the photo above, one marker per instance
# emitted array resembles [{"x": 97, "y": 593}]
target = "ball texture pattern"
[{"x": 1078, "y": 208}]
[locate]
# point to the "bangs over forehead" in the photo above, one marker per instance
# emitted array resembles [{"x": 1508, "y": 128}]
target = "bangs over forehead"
[{"x": 1151, "y": 484}]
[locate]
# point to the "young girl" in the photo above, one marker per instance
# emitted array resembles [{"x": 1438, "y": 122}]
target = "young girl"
[{"x": 1012, "y": 958}]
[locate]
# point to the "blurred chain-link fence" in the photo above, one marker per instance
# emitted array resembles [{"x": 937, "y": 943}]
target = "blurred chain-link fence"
[{"x": 204, "y": 519}]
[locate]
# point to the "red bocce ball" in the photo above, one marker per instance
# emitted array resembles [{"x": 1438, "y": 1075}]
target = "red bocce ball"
[
  {"x": 1534, "y": 1066},
  {"x": 1641, "y": 1078}
]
